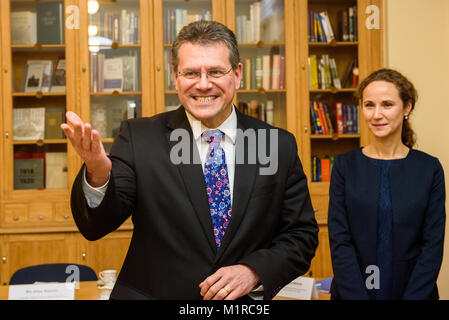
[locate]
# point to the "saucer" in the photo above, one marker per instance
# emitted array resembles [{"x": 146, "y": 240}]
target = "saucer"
[{"x": 106, "y": 287}]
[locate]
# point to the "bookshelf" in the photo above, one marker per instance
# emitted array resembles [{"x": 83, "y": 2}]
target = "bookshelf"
[
  {"x": 170, "y": 16},
  {"x": 365, "y": 46},
  {"x": 264, "y": 31},
  {"x": 36, "y": 225}
]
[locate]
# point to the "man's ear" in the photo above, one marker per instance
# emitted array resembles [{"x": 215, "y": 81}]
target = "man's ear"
[{"x": 238, "y": 75}]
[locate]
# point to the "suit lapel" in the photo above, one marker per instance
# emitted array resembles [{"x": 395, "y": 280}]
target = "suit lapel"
[
  {"x": 192, "y": 175},
  {"x": 244, "y": 177}
]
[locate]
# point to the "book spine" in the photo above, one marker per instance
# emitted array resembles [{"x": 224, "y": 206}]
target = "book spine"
[
  {"x": 266, "y": 68},
  {"x": 276, "y": 71},
  {"x": 269, "y": 110},
  {"x": 339, "y": 117},
  {"x": 254, "y": 109},
  {"x": 325, "y": 170},
  {"x": 282, "y": 84},
  {"x": 259, "y": 72}
]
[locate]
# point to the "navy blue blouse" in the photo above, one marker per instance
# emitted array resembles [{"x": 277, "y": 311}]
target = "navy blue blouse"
[{"x": 384, "y": 251}]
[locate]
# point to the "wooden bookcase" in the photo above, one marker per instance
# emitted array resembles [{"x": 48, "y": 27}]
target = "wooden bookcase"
[
  {"x": 368, "y": 49},
  {"x": 36, "y": 226}
]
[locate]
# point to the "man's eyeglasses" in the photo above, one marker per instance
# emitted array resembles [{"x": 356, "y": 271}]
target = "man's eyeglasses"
[{"x": 214, "y": 73}]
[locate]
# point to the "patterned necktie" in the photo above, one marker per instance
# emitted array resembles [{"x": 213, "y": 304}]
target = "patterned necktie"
[{"x": 217, "y": 184}]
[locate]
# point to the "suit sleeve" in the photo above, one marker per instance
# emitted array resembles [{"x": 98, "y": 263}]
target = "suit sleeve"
[
  {"x": 427, "y": 267},
  {"x": 119, "y": 199},
  {"x": 296, "y": 239},
  {"x": 347, "y": 275}
]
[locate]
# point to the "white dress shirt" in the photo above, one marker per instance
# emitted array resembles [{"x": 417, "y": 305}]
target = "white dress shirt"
[{"x": 94, "y": 196}]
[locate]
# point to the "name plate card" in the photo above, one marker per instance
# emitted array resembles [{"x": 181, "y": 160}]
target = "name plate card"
[
  {"x": 301, "y": 288},
  {"x": 49, "y": 291}
]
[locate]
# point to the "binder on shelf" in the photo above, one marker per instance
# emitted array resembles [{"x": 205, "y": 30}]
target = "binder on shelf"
[
  {"x": 28, "y": 123},
  {"x": 54, "y": 117},
  {"x": 29, "y": 171},
  {"x": 59, "y": 80},
  {"x": 23, "y": 28},
  {"x": 56, "y": 170},
  {"x": 50, "y": 22}
]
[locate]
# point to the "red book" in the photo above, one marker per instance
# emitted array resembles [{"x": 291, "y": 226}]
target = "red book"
[
  {"x": 325, "y": 170},
  {"x": 323, "y": 118}
]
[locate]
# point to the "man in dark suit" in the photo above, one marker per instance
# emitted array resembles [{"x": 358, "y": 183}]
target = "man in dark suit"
[{"x": 211, "y": 220}]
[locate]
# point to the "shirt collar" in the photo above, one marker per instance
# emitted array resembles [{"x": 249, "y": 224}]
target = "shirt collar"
[{"x": 228, "y": 127}]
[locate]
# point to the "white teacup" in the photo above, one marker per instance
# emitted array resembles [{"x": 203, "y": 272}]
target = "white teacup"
[{"x": 108, "y": 277}]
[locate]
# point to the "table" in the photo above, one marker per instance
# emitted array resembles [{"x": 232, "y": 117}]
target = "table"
[{"x": 88, "y": 290}]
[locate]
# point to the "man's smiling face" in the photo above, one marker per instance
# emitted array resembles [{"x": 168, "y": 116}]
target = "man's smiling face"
[{"x": 207, "y": 98}]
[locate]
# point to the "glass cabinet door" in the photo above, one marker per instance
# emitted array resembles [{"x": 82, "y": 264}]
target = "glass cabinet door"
[
  {"x": 38, "y": 87},
  {"x": 260, "y": 32},
  {"x": 175, "y": 15},
  {"x": 333, "y": 77},
  {"x": 114, "y": 45}
]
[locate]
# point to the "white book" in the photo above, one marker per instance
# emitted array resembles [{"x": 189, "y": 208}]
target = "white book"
[
  {"x": 248, "y": 31},
  {"x": 266, "y": 72},
  {"x": 23, "y": 27},
  {"x": 56, "y": 170},
  {"x": 98, "y": 118},
  {"x": 257, "y": 22},
  {"x": 252, "y": 23},
  {"x": 29, "y": 123},
  {"x": 130, "y": 73},
  {"x": 327, "y": 26},
  {"x": 334, "y": 72},
  {"x": 113, "y": 74}
]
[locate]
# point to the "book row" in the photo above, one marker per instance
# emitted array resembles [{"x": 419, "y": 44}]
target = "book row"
[
  {"x": 114, "y": 73},
  {"x": 320, "y": 28},
  {"x": 40, "y": 170},
  {"x": 258, "y": 109},
  {"x": 41, "y": 75},
  {"x": 263, "y": 22},
  {"x": 38, "y": 123},
  {"x": 322, "y": 168},
  {"x": 262, "y": 71},
  {"x": 176, "y": 19},
  {"x": 116, "y": 26},
  {"x": 339, "y": 119},
  {"x": 323, "y": 73},
  {"x": 44, "y": 26},
  {"x": 267, "y": 71},
  {"x": 106, "y": 119}
]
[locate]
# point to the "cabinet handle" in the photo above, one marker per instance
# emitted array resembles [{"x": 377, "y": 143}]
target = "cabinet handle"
[
  {"x": 15, "y": 218},
  {"x": 66, "y": 217},
  {"x": 4, "y": 259},
  {"x": 306, "y": 128},
  {"x": 83, "y": 69},
  {"x": 315, "y": 209},
  {"x": 7, "y": 134},
  {"x": 83, "y": 255},
  {"x": 41, "y": 217},
  {"x": 5, "y": 69}
]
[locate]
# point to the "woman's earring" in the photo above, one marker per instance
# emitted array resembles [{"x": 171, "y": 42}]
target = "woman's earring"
[{"x": 406, "y": 117}]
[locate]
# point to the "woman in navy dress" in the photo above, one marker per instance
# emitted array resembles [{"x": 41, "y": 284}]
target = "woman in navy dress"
[{"x": 387, "y": 203}]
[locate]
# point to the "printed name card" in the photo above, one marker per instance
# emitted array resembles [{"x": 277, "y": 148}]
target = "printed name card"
[
  {"x": 49, "y": 291},
  {"x": 301, "y": 288}
]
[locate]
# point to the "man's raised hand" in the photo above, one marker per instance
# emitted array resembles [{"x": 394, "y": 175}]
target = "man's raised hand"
[{"x": 87, "y": 144}]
